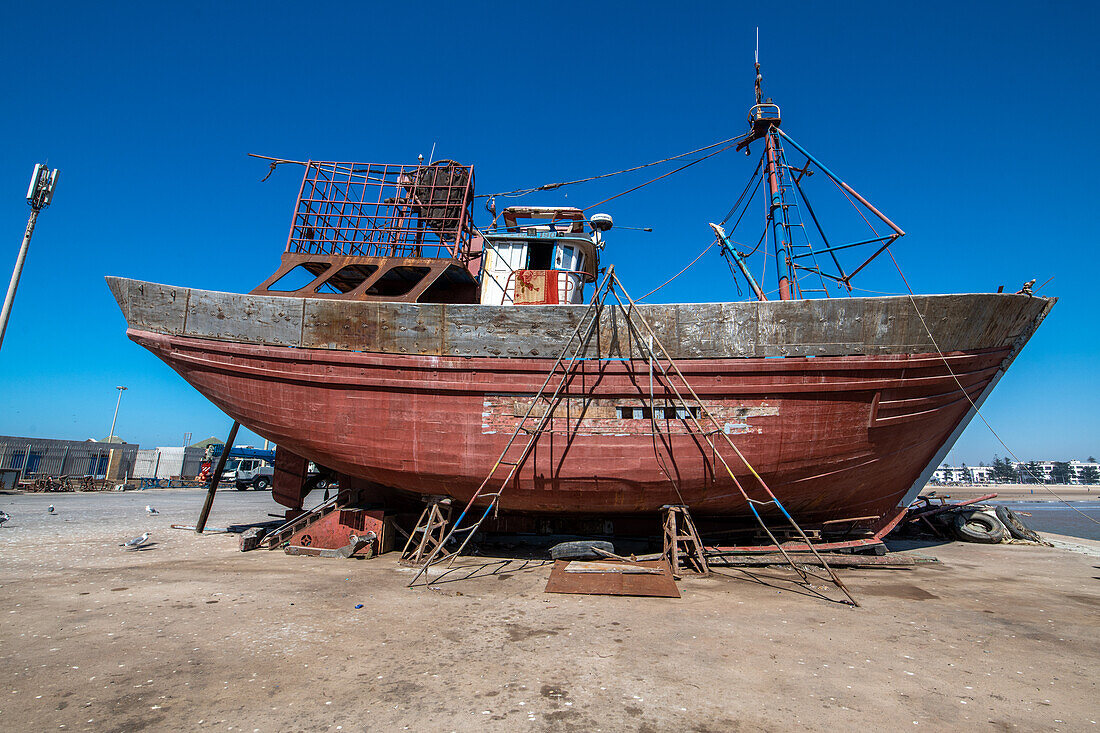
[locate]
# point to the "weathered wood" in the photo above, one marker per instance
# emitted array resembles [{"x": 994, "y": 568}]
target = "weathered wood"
[
  {"x": 833, "y": 327},
  {"x": 151, "y": 307},
  {"x": 248, "y": 318},
  {"x": 836, "y": 561},
  {"x": 215, "y": 478}
]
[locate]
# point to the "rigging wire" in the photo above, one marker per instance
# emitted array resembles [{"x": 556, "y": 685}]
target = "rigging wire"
[
  {"x": 681, "y": 272},
  {"x": 741, "y": 198},
  {"x": 785, "y": 170},
  {"x": 664, "y": 175},
  {"x": 551, "y": 186},
  {"x": 973, "y": 404}
]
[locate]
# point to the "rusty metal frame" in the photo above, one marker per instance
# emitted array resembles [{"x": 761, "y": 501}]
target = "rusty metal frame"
[
  {"x": 326, "y": 267},
  {"x": 380, "y": 210}
]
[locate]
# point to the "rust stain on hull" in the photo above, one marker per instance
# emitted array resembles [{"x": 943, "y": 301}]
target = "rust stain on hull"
[{"x": 844, "y": 435}]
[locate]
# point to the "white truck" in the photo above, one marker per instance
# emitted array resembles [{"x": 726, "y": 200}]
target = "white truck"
[
  {"x": 259, "y": 474},
  {"x": 246, "y": 473}
]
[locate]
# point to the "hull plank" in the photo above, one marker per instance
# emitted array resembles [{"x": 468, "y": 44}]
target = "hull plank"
[{"x": 833, "y": 327}]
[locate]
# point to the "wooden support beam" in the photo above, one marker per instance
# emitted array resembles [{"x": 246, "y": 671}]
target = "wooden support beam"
[{"x": 215, "y": 477}]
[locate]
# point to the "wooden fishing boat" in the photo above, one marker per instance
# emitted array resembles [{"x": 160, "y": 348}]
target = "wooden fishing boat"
[{"x": 415, "y": 349}]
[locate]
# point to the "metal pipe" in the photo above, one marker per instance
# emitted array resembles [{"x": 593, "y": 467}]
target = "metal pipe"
[
  {"x": 9, "y": 299},
  {"x": 846, "y": 246},
  {"x": 843, "y": 185},
  {"x": 724, "y": 240},
  {"x": 215, "y": 477},
  {"x": 782, "y": 246},
  {"x": 114, "y": 419}
]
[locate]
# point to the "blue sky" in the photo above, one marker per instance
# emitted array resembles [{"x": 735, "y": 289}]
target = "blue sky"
[{"x": 971, "y": 125}]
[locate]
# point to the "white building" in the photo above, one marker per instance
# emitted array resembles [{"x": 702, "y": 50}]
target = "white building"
[
  {"x": 1044, "y": 470},
  {"x": 962, "y": 475},
  {"x": 1078, "y": 469}
]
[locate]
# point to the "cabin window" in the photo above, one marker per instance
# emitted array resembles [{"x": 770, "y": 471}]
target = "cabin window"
[
  {"x": 669, "y": 412},
  {"x": 664, "y": 412},
  {"x": 540, "y": 256},
  {"x": 568, "y": 257}
]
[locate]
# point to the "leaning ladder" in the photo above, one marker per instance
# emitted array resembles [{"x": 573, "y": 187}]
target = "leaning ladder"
[
  {"x": 567, "y": 361},
  {"x": 646, "y": 345}
]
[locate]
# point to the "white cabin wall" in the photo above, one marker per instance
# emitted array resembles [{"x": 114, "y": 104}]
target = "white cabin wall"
[{"x": 499, "y": 261}]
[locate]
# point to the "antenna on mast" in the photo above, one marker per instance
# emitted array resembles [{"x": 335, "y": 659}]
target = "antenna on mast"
[{"x": 756, "y": 60}]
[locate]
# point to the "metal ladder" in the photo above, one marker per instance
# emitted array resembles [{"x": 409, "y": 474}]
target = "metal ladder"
[
  {"x": 586, "y": 327},
  {"x": 790, "y": 184},
  {"x": 516, "y": 452},
  {"x": 645, "y": 342}
]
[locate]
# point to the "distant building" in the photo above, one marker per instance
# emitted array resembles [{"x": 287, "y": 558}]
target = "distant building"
[
  {"x": 46, "y": 456},
  {"x": 1042, "y": 470},
  {"x": 1078, "y": 471},
  {"x": 962, "y": 475},
  {"x": 1029, "y": 471}
]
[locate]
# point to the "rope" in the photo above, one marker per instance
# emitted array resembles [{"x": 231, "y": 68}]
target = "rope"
[
  {"x": 681, "y": 272},
  {"x": 973, "y": 404},
  {"x": 665, "y": 175},
  {"x": 737, "y": 204},
  {"x": 552, "y": 186}
]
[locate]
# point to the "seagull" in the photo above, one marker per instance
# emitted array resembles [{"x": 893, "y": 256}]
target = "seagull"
[
  {"x": 151, "y": 510},
  {"x": 50, "y": 509},
  {"x": 4, "y": 517},
  {"x": 136, "y": 542}
]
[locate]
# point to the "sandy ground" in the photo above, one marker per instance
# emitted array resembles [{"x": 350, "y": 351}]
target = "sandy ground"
[
  {"x": 1021, "y": 492},
  {"x": 192, "y": 634}
]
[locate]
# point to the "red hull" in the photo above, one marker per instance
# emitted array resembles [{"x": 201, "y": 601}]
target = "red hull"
[{"x": 834, "y": 437}]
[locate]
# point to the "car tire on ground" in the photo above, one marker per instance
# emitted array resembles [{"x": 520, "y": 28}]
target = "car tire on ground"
[
  {"x": 580, "y": 550},
  {"x": 241, "y": 487},
  {"x": 978, "y": 527},
  {"x": 261, "y": 484},
  {"x": 1015, "y": 526}
]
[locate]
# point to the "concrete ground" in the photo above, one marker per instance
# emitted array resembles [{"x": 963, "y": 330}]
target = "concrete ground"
[{"x": 192, "y": 634}]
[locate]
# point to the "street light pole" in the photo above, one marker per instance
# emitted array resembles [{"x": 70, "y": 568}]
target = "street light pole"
[
  {"x": 120, "y": 389},
  {"x": 39, "y": 196}
]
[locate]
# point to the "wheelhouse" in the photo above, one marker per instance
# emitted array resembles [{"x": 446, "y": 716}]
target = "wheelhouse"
[{"x": 541, "y": 256}]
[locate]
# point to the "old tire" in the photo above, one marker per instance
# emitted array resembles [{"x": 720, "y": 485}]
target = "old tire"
[
  {"x": 261, "y": 484},
  {"x": 580, "y": 550},
  {"x": 977, "y": 527},
  {"x": 1015, "y": 526}
]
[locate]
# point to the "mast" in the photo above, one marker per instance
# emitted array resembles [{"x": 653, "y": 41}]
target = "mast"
[
  {"x": 780, "y": 234},
  {"x": 784, "y": 219},
  {"x": 764, "y": 117}
]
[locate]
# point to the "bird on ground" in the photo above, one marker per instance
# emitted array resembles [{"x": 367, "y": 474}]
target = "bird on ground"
[
  {"x": 135, "y": 542},
  {"x": 50, "y": 509},
  {"x": 151, "y": 510},
  {"x": 4, "y": 517}
]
